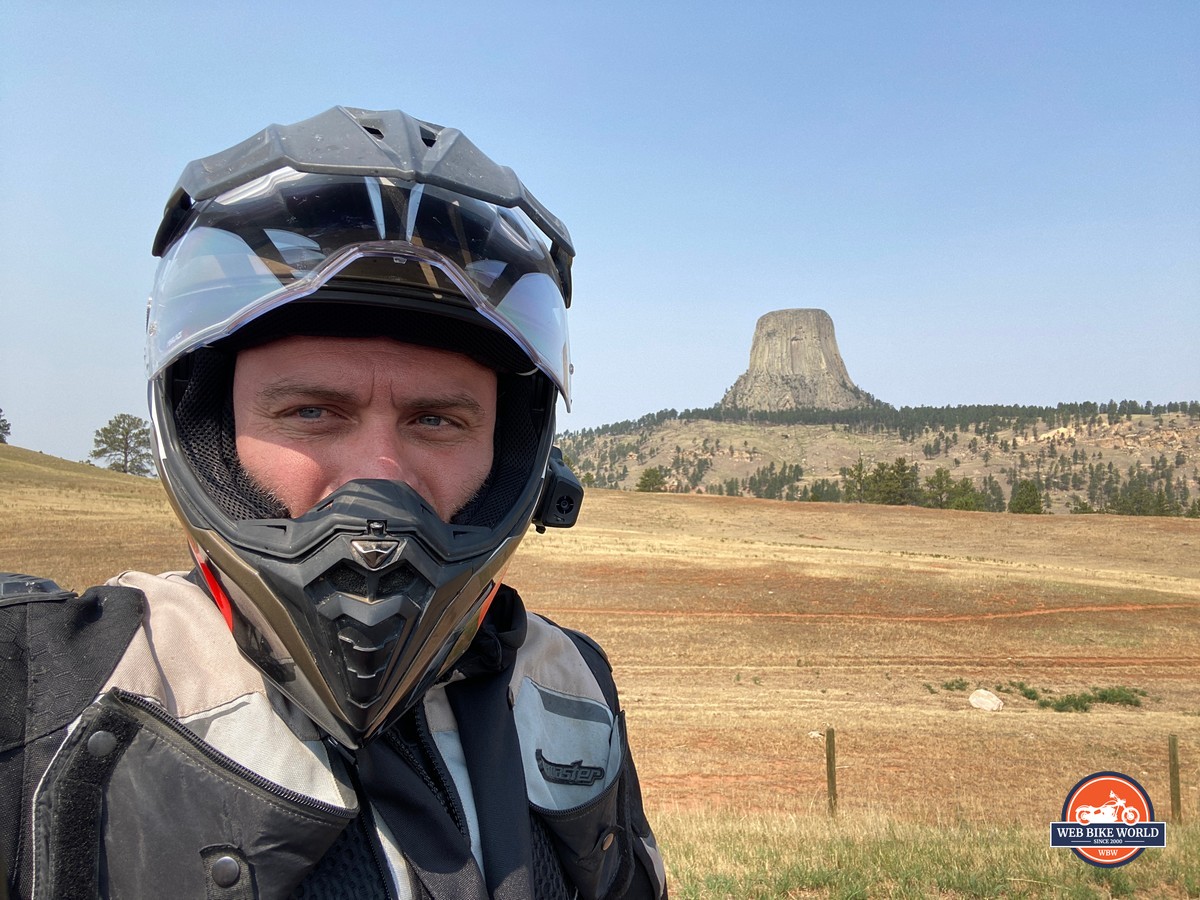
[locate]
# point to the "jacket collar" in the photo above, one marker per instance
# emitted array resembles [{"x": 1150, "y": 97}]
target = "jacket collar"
[{"x": 499, "y": 637}]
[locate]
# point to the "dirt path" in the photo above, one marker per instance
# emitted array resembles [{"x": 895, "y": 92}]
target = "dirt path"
[{"x": 882, "y": 617}]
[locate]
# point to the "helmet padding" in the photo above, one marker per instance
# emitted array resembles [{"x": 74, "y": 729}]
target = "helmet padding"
[{"x": 205, "y": 426}]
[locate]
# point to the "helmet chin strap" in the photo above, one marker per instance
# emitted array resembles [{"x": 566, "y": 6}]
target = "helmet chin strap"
[{"x": 218, "y": 594}]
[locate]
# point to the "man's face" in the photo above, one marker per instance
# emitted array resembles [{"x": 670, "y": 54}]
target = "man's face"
[{"x": 313, "y": 413}]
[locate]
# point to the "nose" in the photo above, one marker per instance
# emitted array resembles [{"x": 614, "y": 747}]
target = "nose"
[{"x": 378, "y": 452}]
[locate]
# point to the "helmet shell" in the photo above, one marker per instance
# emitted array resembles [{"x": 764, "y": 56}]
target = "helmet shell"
[{"x": 355, "y": 607}]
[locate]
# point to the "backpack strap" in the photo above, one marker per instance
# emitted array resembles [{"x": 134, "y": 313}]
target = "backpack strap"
[{"x": 57, "y": 650}]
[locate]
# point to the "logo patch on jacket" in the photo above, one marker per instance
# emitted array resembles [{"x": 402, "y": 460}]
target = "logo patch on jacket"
[{"x": 568, "y": 773}]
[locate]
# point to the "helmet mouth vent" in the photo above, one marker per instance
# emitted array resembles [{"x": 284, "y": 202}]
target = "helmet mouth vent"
[
  {"x": 369, "y": 587},
  {"x": 369, "y": 598},
  {"x": 366, "y": 652},
  {"x": 371, "y": 617}
]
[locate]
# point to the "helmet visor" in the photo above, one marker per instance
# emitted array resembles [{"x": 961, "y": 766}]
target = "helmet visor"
[{"x": 286, "y": 234}]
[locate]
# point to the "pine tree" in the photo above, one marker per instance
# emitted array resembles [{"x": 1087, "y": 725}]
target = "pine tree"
[
  {"x": 125, "y": 443},
  {"x": 652, "y": 480},
  {"x": 939, "y": 488},
  {"x": 1026, "y": 498},
  {"x": 854, "y": 480}
]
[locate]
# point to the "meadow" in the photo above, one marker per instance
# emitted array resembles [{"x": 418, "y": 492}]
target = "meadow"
[{"x": 741, "y": 630}]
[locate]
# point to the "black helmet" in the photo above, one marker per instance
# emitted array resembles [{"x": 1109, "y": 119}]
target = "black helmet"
[{"x": 357, "y": 223}]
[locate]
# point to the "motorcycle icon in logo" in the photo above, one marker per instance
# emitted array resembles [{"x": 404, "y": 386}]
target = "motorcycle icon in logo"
[{"x": 1116, "y": 810}]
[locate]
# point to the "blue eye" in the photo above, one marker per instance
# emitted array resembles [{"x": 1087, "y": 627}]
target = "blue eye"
[{"x": 310, "y": 412}]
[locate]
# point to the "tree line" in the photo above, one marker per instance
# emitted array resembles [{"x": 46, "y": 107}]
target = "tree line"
[
  {"x": 890, "y": 484},
  {"x": 911, "y": 421},
  {"x": 1052, "y": 467},
  {"x": 1157, "y": 491}
]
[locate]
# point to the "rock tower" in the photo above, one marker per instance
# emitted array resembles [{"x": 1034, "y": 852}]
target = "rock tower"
[{"x": 795, "y": 364}]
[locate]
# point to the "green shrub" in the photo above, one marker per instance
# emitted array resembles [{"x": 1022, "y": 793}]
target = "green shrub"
[
  {"x": 1026, "y": 691},
  {"x": 1068, "y": 703},
  {"x": 1120, "y": 695}
]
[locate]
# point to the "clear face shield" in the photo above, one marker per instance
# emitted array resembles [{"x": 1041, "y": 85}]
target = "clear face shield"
[{"x": 285, "y": 235}]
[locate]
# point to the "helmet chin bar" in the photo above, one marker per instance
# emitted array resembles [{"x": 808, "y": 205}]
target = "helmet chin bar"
[{"x": 364, "y": 605}]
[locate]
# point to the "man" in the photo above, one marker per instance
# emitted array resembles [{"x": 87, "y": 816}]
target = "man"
[{"x": 356, "y": 342}]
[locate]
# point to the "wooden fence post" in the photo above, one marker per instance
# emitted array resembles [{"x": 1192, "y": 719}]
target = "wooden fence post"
[
  {"x": 1173, "y": 766},
  {"x": 831, "y": 770}
]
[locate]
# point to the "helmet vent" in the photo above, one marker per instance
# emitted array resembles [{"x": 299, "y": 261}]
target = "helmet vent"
[
  {"x": 349, "y": 580},
  {"x": 428, "y": 135},
  {"x": 366, "y": 651},
  {"x": 346, "y": 580},
  {"x": 371, "y": 616},
  {"x": 373, "y": 132}
]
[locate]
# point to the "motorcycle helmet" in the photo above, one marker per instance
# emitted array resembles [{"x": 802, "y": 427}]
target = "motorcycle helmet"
[{"x": 357, "y": 223}]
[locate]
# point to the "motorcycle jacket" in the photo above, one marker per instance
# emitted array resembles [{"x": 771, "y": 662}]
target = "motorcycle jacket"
[{"x": 141, "y": 756}]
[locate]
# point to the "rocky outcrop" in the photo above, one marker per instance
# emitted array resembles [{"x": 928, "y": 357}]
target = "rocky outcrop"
[{"x": 795, "y": 364}]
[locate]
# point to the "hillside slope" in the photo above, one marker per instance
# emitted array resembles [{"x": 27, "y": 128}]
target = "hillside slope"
[
  {"x": 76, "y": 523},
  {"x": 702, "y": 456}
]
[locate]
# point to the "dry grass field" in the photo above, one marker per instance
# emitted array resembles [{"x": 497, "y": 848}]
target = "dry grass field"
[
  {"x": 741, "y": 629},
  {"x": 78, "y": 524}
]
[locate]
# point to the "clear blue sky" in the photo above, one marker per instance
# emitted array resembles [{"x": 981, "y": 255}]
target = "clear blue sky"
[{"x": 996, "y": 202}]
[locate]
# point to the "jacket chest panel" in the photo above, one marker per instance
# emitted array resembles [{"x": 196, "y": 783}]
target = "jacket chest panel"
[{"x": 130, "y": 785}]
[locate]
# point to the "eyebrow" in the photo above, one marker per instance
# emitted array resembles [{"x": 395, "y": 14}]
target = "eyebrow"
[
  {"x": 287, "y": 390},
  {"x": 298, "y": 390}
]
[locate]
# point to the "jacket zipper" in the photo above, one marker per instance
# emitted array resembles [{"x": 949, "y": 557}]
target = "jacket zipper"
[
  {"x": 374, "y": 841},
  {"x": 435, "y": 776},
  {"x": 443, "y": 775},
  {"x": 236, "y": 769},
  {"x": 567, "y": 813}
]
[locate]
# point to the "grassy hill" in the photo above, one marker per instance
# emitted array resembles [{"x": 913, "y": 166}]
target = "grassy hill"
[
  {"x": 75, "y": 523},
  {"x": 703, "y": 456}
]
